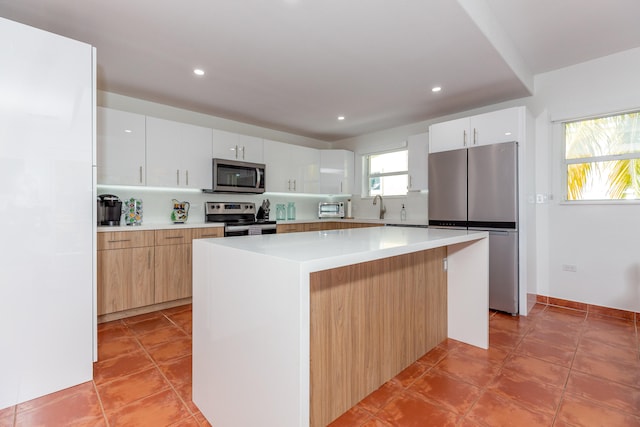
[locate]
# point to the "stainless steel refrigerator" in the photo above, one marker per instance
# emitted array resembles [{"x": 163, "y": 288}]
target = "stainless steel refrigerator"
[{"x": 477, "y": 189}]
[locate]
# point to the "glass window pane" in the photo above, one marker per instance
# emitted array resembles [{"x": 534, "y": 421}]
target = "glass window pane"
[
  {"x": 396, "y": 161},
  {"x": 611, "y": 180},
  {"x": 393, "y": 185},
  {"x": 603, "y": 136}
]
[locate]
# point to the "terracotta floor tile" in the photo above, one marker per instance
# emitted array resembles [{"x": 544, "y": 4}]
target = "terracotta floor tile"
[
  {"x": 409, "y": 410},
  {"x": 596, "y": 321},
  {"x": 161, "y": 336},
  {"x": 515, "y": 324},
  {"x": 469, "y": 369},
  {"x": 126, "y": 390},
  {"x": 534, "y": 395},
  {"x": 142, "y": 317},
  {"x": 446, "y": 391},
  {"x": 380, "y": 397},
  {"x": 54, "y": 398},
  {"x": 604, "y": 392},
  {"x": 202, "y": 420},
  {"x": 410, "y": 374},
  {"x": 178, "y": 371},
  {"x": 353, "y": 417},
  {"x": 174, "y": 349},
  {"x": 609, "y": 369},
  {"x": 530, "y": 346},
  {"x": 470, "y": 423},
  {"x": 504, "y": 339},
  {"x": 79, "y": 407},
  {"x": 537, "y": 370},
  {"x": 161, "y": 409},
  {"x": 117, "y": 346},
  {"x": 148, "y": 325},
  {"x": 496, "y": 411},
  {"x": 555, "y": 337},
  {"x": 178, "y": 309},
  {"x": 589, "y": 346},
  {"x": 433, "y": 356},
  {"x": 189, "y": 422},
  {"x": 565, "y": 314},
  {"x": 375, "y": 422},
  {"x": 110, "y": 330},
  {"x": 121, "y": 366},
  {"x": 182, "y": 319},
  {"x": 185, "y": 392},
  {"x": 614, "y": 338},
  {"x": 492, "y": 354},
  {"x": 579, "y": 412}
]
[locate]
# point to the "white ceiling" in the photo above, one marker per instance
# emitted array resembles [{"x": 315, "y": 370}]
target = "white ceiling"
[{"x": 295, "y": 65}]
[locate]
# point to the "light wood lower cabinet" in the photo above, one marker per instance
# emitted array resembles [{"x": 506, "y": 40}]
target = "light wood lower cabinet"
[
  {"x": 143, "y": 268},
  {"x": 173, "y": 265},
  {"x": 322, "y": 225},
  {"x": 125, "y": 270}
]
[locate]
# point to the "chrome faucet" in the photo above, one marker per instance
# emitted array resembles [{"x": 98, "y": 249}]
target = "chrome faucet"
[{"x": 382, "y": 208}]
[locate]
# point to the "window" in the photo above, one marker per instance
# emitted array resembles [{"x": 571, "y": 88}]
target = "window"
[
  {"x": 387, "y": 173},
  {"x": 602, "y": 158}
]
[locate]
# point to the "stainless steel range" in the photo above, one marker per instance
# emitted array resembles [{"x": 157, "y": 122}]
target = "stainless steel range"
[{"x": 239, "y": 218}]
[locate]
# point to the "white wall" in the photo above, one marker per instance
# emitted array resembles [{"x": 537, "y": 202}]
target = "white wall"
[{"x": 601, "y": 240}]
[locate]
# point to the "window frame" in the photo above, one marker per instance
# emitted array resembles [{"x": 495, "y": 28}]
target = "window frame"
[
  {"x": 366, "y": 190},
  {"x": 566, "y": 162}
]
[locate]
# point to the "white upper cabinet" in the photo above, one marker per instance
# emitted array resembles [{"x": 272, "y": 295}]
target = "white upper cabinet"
[
  {"x": 482, "y": 129},
  {"x": 291, "y": 168},
  {"x": 233, "y": 146},
  {"x": 449, "y": 135},
  {"x": 178, "y": 154},
  {"x": 497, "y": 126},
  {"x": 336, "y": 171},
  {"x": 120, "y": 147},
  {"x": 418, "y": 147}
]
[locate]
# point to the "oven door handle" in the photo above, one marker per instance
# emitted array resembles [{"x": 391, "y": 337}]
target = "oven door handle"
[{"x": 259, "y": 176}]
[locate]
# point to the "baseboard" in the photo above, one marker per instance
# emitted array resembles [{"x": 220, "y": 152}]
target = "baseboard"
[
  {"x": 589, "y": 308},
  {"x": 142, "y": 310}
]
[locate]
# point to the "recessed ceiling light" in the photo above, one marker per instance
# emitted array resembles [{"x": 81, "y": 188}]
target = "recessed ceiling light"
[
  {"x": 198, "y": 72},
  {"x": 436, "y": 89},
  {"x": 507, "y": 133},
  {"x": 340, "y": 117},
  {"x": 127, "y": 130}
]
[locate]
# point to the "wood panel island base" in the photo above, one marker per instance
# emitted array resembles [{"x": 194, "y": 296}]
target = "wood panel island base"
[{"x": 294, "y": 329}]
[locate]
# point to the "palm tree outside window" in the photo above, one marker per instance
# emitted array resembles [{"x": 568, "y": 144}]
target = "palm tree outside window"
[{"x": 602, "y": 158}]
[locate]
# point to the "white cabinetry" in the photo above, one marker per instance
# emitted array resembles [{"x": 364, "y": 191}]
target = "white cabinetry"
[
  {"x": 418, "y": 147},
  {"x": 233, "y": 146},
  {"x": 178, "y": 154},
  {"x": 291, "y": 168},
  {"x": 121, "y": 147},
  {"x": 336, "y": 171},
  {"x": 488, "y": 128}
]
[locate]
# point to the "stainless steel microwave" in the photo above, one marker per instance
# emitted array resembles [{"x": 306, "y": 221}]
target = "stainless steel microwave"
[
  {"x": 231, "y": 176},
  {"x": 331, "y": 210}
]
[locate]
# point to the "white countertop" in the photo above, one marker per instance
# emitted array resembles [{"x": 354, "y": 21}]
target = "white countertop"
[{"x": 319, "y": 250}]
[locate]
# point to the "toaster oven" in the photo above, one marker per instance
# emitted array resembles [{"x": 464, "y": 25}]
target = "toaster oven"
[{"x": 331, "y": 210}]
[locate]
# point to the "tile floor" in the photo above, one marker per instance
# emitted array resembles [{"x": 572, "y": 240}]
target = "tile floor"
[{"x": 556, "y": 367}]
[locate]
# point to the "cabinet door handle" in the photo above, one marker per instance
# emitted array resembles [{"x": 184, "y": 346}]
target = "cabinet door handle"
[
  {"x": 149, "y": 259},
  {"x": 174, "y": 237},
  {"x": 464, "y": 138},
  {"x": 209, "y": 235},
  {"x": 475, "y": 136},
  {"x": 236, "y": 152},
  {"x": 409, "y": 186},
  {"x": 242, "y": 152},
  {"x": 140, "y": 174},
  {"x": 294, "y": 185},
  {"x": 118, "y": 241},
  {"x": 289, "y": 185},
  {"x": 177, "y": 176},
  {"x": 187, "y": 176}
]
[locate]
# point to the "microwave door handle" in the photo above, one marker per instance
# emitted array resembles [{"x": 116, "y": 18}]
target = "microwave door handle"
[{"x": 259, "y": 178}]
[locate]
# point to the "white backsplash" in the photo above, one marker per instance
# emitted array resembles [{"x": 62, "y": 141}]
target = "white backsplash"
[{"x": 157, "y": 203}]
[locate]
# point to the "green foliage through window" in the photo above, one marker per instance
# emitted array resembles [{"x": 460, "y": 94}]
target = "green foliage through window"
[{"x": 602, "y": 158}]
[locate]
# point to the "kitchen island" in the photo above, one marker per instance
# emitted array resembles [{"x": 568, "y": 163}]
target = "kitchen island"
[{"x": 294, "y": 329}]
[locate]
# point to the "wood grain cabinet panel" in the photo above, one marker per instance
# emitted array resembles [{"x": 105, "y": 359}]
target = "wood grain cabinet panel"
[
  {"x": 370, "y": 321},
  {"x": 207, "y": 233},
  {"x": 125, "y": 270},
  {"x": 172, "y": 265}
]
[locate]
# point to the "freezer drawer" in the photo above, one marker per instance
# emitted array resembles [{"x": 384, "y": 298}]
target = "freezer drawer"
[{"x": 503, "y": 270}]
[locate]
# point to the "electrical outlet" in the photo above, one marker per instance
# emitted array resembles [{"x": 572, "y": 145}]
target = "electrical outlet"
[{"x": 569, "y": 267}]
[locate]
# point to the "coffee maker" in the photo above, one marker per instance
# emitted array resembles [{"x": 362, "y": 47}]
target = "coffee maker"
[{"x": 109, "y": 210}]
